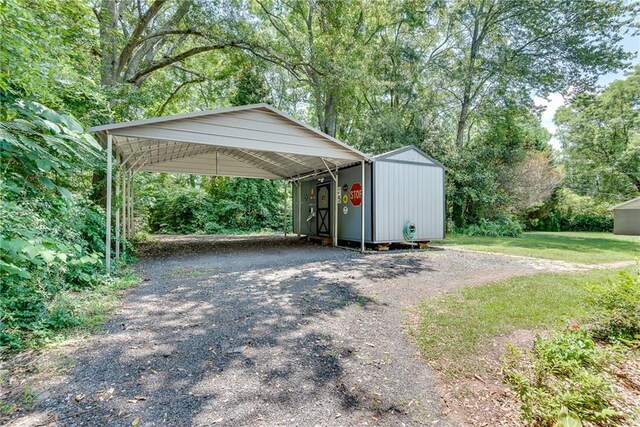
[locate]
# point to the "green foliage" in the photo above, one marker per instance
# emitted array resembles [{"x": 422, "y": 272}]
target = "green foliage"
[
  {"x": 567, "y": 419},
  {"x": 40, "y": 149},
  {"x": 212, "y": 205},
  {"x": 251, "y": 88},
  {"x": 600, "y": 134},
  {"x": 568, "y": 211},
  {"x": 52, "y": 236},
  {"x": 616, "y": 316},
  {"x": 505, "y": 171},
  {"x": 568, "y": 371},
  {"x": 180, "y": 211},
  {"x": 44, "y": 49},
  {"x": 565, "y": 371},
  {"x": 42, "y": 254},
  {"x": 248, "y": 204},
  {"x": 473, "y": 191},
  {"x": 503, "y": 227}
]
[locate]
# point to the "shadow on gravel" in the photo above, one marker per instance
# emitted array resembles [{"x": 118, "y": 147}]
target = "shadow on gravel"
[
  {"x": 164, "y": 246},
  {"x": 227, "y": 346}
]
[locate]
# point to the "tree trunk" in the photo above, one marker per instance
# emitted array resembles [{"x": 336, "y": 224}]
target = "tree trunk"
[
  {"x": 476, "y": 40},
  {"x": 464, "y": 114},
  {"x": 330, "y": 115},
  {"x": 108, "y": 20}
]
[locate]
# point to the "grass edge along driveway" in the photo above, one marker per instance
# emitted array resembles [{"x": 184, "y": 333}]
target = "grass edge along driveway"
[
  {"x": 454, "y": 329},
  {"x": 577, "y": 247}
]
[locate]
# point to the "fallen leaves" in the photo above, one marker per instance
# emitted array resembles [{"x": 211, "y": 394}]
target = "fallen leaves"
[{"x": 105, "y": 395}]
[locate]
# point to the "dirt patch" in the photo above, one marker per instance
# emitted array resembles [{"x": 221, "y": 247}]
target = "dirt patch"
[
  {"x": 627, "y": 383},
  {"x": 482, "y": 398},
  {"x": 26, "y": 377}
]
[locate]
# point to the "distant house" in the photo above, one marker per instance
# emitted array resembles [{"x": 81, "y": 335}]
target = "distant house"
[{"x": 626, "y": 218}]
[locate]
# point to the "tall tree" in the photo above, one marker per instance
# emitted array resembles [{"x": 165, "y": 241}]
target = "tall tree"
[
  {"x": 401, "y": 101},
  {"x": 135, "y": 42},
  {"x": 321, "y": 43},
  {"x": 139, "y": 40},
  {"x": 600, "y": 134},
  {"x": 515, "y": 48}
]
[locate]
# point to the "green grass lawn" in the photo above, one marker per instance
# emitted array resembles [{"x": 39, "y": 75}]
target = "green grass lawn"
[
  {"x": 580, "y": 247},
  {"x": 454, "y": 328}
]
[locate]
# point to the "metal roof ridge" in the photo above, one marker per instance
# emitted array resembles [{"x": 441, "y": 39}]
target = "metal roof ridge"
[
  {"x": 265, "y": 106},
  {"x": 624, "y": 203},
  {"x": 152, "y": 120},
  {"x": 407, "y": 148}
]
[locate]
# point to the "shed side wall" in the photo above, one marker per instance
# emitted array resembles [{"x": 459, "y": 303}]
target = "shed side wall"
[
  {"x": 626, "y": 222},
  {"x": 407, "y": 192}
]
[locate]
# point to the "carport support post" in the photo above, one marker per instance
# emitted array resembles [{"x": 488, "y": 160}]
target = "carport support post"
[
  {"x": 130, "y": 221},
  {"x": 335, "y": 208},
  {"x": 362, "y": 209},
  {"x": 299, "y": 207},
  {"x": 286, "y": 212},
  {"x": 119, "y": 199},
  {"x": 124, "y": 210},
  {"x": 107, "y": 239}
]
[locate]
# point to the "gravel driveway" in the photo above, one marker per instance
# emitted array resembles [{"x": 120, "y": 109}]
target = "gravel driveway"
[{"x": 266, "y": 331}]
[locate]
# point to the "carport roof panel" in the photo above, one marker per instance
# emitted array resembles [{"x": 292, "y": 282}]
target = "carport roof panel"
[{"x": 251, "y": 141}]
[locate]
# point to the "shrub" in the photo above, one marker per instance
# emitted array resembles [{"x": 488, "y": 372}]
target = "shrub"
[
  {"x": 587, "y": 222},
  {"x": 51, "y": 235},
  {"x": 564, "y": 372},
  {"x": 617, "y": 309},
  {"x": 220, "y": 205},
  {"x": 504, "y": 227},
  {"x": 183, "y": 211},
  {"x": 42, "y": 254},
  {"x": 572, "y": 212}
]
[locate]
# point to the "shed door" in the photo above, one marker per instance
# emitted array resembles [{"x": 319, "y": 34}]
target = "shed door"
[{"x": 323, "y": 219}]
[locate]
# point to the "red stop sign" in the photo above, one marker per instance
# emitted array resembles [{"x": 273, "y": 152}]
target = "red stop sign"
[{"x": 355, "y": 194}]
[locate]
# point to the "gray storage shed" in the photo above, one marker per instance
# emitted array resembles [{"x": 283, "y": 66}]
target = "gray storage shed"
[
  {"x": 626, "y": 218},
  {"x": 404, "y": 187}
]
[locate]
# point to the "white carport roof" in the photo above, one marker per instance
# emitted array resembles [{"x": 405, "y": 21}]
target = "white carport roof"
[{"x": 254, "y": 141}]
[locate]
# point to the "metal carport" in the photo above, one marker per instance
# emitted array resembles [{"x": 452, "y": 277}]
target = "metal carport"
[{"x": 253, "y": 141}]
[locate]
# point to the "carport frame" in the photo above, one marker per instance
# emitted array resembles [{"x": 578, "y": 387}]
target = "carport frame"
[{"x": 145, "y": 139}]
